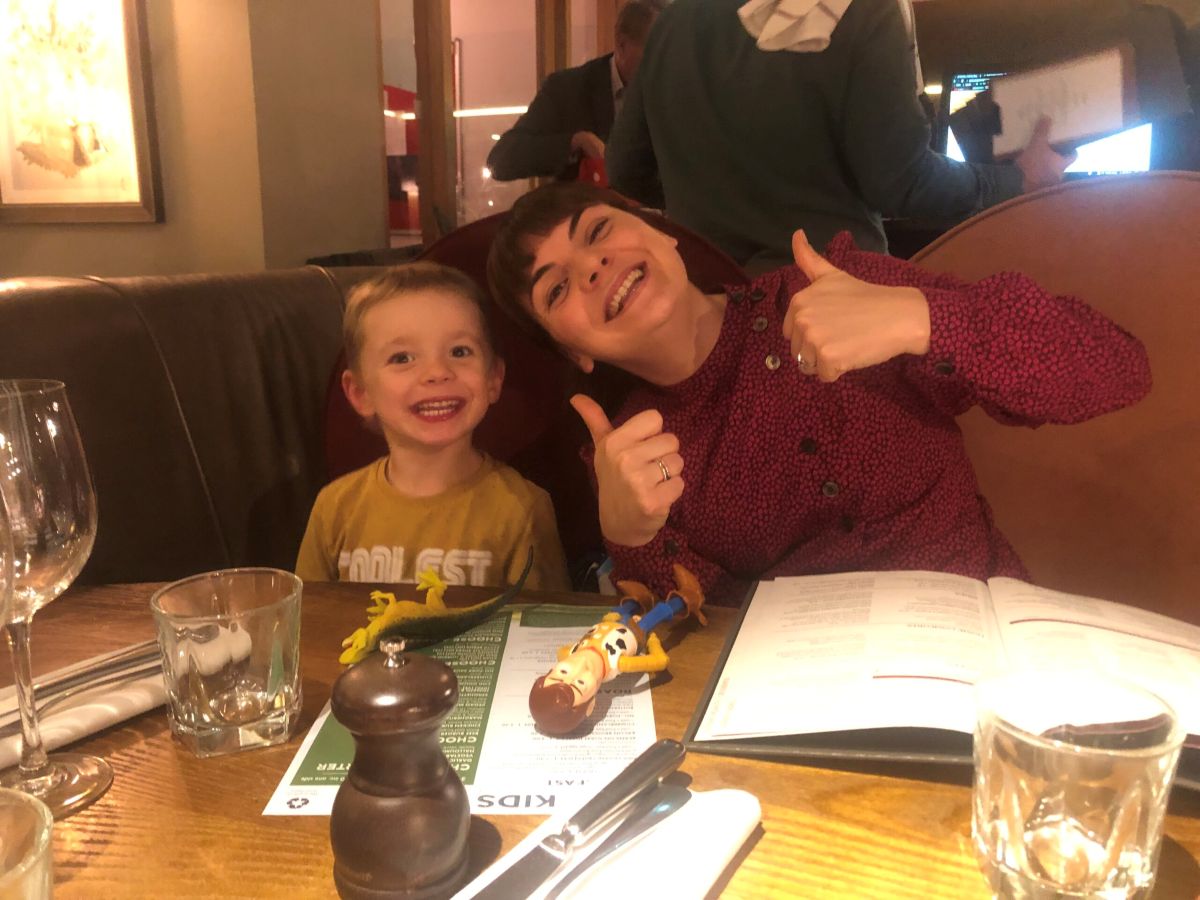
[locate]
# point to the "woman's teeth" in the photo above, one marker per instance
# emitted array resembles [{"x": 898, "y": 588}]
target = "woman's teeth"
[{"x": 618, "y": 300}]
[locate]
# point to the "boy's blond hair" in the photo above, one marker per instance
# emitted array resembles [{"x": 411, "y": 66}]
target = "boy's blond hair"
[{"x": 405, "y": 279}]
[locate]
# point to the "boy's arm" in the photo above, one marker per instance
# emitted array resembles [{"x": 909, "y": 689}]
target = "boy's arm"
[
  {"x": 549, "y": 572},
  {"x": 315, "y": 560}
]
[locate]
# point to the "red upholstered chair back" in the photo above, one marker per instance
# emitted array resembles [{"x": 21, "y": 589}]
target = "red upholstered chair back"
[
  {"x": 532, "y": 427},
  {"x": 1110, "y": 507}
]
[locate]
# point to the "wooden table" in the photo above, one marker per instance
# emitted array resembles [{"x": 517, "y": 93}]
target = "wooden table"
[{"x": 176, "y": 826}]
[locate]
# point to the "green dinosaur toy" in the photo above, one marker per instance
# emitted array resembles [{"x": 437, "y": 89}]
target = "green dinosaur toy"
[{"x": 421, "y": 624}]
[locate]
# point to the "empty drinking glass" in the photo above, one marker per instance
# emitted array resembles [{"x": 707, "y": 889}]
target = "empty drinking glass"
[
  {"x": 230, "y": 644},
  {"x": 1072, "y": 773}
]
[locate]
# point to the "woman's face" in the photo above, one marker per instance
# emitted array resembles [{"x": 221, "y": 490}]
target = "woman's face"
[{"x": 604, "y": 282}]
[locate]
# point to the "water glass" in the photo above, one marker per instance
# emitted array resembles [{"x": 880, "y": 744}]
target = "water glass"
[
  {"x": 26, "y": 871},
  {"x": 1072, "y": 774},
  {"x": 230, "y": 643}
]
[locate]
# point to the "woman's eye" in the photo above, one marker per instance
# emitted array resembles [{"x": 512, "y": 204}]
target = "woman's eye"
[
  {"x": 462, "y": 351},
  {"x": 597, "y": 229},
  {"x": 399, "y": 359},
  {"x": 555, "y": 293}
]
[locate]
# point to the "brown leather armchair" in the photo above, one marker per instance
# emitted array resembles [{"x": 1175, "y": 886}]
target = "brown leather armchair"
[{"x": 1107, "y": 507}]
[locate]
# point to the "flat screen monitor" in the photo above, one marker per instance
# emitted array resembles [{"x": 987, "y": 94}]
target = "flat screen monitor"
[{"x": 1126, "y": 151}]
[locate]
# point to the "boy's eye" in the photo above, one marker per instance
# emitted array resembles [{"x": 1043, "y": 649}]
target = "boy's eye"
[
  {"x": 461, "y": 351},
  {"x": 400, "y": 358},
  {"x": 597, "y": 229}
]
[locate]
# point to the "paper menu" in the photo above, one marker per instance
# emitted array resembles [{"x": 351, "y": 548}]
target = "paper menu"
[
  {"x": 861, "y": 649},
  {"x": 489, "y": 738},
  {"x": 1086, "y": 97}
]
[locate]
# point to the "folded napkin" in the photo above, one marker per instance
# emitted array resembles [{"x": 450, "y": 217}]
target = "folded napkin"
[
  {"x": 682, "y": 857},
  {"x": 84, "y": 713}
]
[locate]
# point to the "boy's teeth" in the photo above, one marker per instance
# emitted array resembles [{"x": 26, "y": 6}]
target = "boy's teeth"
[
  {"x": 437, "y": 406},
  {"x": 618, "y": 299}
]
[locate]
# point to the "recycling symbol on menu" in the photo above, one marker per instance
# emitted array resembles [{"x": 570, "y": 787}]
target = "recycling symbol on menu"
[{"x": 297, "y": 802}]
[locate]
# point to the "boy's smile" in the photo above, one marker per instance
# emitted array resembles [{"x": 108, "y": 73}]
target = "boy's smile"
[
  {"x": 439, "y": 408},
  {"x": 425, "y": 370}
]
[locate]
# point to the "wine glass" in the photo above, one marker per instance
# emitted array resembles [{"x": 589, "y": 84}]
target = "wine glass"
[
  {"x": 52, "y": 516},
  {"x": 6, "y": 562}
]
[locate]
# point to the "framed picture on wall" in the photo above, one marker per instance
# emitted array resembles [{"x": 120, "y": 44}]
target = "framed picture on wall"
[{"x": 76, "y": 113}]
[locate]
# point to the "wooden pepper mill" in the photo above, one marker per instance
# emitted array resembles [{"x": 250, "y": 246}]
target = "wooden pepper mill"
[{"x": 400, "y": 819}]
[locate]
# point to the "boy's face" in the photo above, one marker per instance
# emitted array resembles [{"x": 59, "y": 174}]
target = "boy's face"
[{"x": 424, "y": 371}]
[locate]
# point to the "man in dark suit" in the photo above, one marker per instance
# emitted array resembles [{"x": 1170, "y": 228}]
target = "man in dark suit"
[{"x": 572, "y": 114}]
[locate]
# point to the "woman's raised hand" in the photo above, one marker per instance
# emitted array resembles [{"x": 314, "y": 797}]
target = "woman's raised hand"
[
  {"x": 840, "y": 323},
  {"x": 638, "y": 470}
]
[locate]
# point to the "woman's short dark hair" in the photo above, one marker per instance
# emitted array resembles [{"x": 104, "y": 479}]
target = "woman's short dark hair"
[{"x": 533, "y": 217}]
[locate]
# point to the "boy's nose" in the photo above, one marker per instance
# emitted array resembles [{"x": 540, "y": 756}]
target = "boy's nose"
[{"x": 437, "y": 371}]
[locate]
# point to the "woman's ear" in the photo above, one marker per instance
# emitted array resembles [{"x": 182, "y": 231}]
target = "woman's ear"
[
  {"x": 357, "y": 394},
  {"x": 585, "y": 363}
]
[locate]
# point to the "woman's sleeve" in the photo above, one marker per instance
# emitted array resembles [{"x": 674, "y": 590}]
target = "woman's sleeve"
[
  {"x": 651, "y": 563},
  {"x": 1024, "y": 355}
]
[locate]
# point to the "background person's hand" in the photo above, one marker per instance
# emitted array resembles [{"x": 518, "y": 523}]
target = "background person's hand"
[
  {"x": 588, "y": 144},
  {"x": 1040, "y": 164},
  {"x": 840, "y": 323},
  {"x": 634, "y": 498}
]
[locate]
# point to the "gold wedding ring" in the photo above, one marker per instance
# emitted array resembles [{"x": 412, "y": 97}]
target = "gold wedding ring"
[{"x": 662, "y": 467}]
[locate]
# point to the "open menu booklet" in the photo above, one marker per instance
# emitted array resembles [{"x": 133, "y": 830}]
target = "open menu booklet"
[{"x": 883, "y": 664}]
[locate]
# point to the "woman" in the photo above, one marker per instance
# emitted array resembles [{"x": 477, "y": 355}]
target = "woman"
[{"x": 803, "y": 423}]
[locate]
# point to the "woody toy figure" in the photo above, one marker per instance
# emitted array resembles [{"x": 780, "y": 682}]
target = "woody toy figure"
[{"x": 623, "y": 641}]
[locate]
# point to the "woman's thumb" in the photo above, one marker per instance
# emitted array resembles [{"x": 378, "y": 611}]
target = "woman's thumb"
[
  {"x": 593, "y": 416},
  {"x": 810, "y": 262}
]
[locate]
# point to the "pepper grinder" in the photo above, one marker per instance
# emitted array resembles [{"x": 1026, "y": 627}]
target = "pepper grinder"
[{"x": 400, "y": 819}]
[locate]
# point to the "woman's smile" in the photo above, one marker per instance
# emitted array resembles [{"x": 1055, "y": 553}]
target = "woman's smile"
[{"x": 623, "y": 291}]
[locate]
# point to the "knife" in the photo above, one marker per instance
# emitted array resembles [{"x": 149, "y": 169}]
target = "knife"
[
  {"x": 527, "y": 874},
  {"x": 136, "y": 659}
]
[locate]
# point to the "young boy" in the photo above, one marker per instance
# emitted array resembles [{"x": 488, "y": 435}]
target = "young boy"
[{"x": 421, "y": 364}]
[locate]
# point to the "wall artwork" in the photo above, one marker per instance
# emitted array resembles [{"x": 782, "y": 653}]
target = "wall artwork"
[{"x": 76, "y": 113}]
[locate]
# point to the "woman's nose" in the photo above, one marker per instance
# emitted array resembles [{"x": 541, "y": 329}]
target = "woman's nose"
[{"x": 598, "y": 264}]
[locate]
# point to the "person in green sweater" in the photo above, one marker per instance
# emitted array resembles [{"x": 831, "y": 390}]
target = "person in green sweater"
[{"x": 750, "y": 120}]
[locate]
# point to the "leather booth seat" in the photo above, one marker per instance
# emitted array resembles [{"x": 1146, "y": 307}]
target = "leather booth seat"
[{"x": 200, "y": 400}]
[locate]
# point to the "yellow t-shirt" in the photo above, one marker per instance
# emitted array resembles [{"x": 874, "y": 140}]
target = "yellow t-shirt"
[{"x": 478, "y": 532}]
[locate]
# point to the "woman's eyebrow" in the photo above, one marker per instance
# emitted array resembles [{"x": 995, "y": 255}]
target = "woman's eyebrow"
[
  {"x": 571, "y": 226},
  {"x": 538, "y": 274},
  {"x": 574, "y": 223}
]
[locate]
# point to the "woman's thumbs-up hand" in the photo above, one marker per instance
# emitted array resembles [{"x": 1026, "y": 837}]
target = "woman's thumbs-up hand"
[
  {"x": 638, "y": 470},
  {"x": 840, "y": 323}
]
